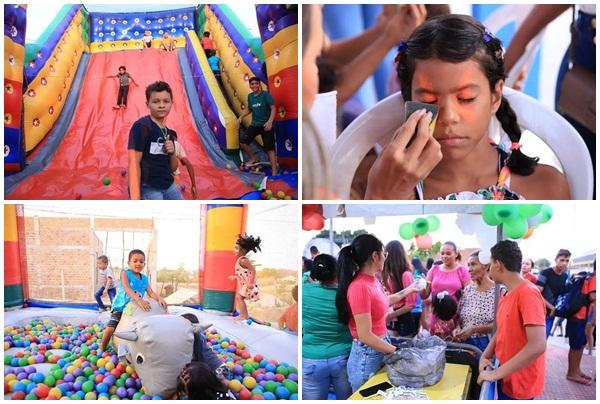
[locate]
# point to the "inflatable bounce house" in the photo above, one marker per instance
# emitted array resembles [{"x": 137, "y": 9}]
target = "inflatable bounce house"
[
  {"x": 63, "y": 140},
  {"x": 51, "y": 348}
]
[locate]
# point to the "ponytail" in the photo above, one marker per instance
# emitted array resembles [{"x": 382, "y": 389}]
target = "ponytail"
[
  {"x": 350, "y": 259},
  {"x": 518, "y": 162},
  {"x": 346, "y": 271}
]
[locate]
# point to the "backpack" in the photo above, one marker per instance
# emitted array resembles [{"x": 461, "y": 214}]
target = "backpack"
[{"x": 568, "y": 304}]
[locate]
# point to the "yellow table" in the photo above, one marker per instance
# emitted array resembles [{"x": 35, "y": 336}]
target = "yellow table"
[{"x": 454, "y": 384}]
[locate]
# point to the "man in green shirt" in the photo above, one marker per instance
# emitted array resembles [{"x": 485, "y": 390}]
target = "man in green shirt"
[{"x": 262, "y": 107}]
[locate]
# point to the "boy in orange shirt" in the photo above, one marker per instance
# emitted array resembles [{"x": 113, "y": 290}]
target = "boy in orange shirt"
[
  {"x": 289, "y": 319},
  {"x": 520, "y": 340}
]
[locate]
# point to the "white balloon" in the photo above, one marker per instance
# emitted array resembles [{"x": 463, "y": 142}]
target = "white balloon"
[{"x": 485, "y": 256}]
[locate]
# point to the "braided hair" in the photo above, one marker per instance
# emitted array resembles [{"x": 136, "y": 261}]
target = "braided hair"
[
  {"x": 248, "y": 243},
  {"x": 457, "y": 38}
]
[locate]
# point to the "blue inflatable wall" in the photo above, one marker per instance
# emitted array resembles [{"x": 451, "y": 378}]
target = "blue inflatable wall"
[{"x": 131, "y": 26}]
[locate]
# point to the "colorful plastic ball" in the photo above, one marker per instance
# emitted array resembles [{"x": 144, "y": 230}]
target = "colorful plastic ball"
[
  {"x": 41, "y": 390},
  {"x": 270, "y": 386},
  {"x": 157, "y": 397},
  {"x": 122, "y": 392},
  {"x": 238, "y": 369},
  {"x": 269, "y": 396},
  {"x": 244, "y": 394},
  {"x": 271, "y": 368},
  {"x": 249, "y": 382},
  {"x": 269, "y": 376},
  {"x": 90, "y": 395},
  {"x": 293, "y": 397},
  {"x": 18, "y": 395},
  {"x": 235, "y": 385},
  {"x": 291, "y": 386},
  {"x": 257, "y": 397},
  {"x": 106, "y": 181},
  {"x": 87, "y": 386},
  {"x": 248, "y": 368},
  {"x": 37, "y": 378},
  {"x": 102, "y": 388},
  {"x": 58, "y": 374},
  {"x": 31, "y": 396},
  {"x": 282, "y": 370},
  {"x": 49, "y": 381},
  {"x": 55, "y": 392},
  {"x": 282, "y": 393},
  {"x": 279, "y": 377},
  {"x": 19, "y": 386},
  {"x": 137, "y": 396}
]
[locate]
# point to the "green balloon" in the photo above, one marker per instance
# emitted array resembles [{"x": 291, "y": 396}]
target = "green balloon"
[
  {"x": 506, "y": 213},
  {"x": 529, "y": 210},
  {"x": 406, "y": 231},
  {"x": 434, "y": 222},
  {"x": 546, "y": 212},
  {"x": 516, "y": 228},
  {"x": 420, "y": 226},
  {"x": 489, "y": 215}
]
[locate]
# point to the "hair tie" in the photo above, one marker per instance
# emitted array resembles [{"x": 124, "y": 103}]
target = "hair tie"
[
  {"x": 515, "y": 146},
  {"x": 442, "y": 294},
  {"x": 401, "y": 48},
  {"x": 487, "y": 36}
]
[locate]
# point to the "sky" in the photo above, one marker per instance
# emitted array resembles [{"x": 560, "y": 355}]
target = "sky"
[
  {"x": 177, "y": 224},
  {"x": 39, "y": 14},
  {"x": 573, "y": 226}
]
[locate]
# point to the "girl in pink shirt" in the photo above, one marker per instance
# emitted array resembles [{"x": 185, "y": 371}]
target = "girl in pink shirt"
[
  {"x": 450, "y": 277},
  {"x": 363, "y": 305},
  {"x": 398, "y": 275}
]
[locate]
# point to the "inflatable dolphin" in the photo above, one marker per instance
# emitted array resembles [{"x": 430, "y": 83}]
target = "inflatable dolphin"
[{"x": 156, "y": 344}]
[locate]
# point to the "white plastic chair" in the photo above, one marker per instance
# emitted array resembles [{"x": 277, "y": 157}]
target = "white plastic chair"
[{"x": 378, "y": 124}]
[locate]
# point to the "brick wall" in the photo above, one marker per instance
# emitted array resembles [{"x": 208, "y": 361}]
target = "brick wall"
[{"x": 62, "y": 252}]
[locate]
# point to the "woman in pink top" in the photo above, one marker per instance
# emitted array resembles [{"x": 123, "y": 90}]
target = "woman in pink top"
[
  {"x": 398, "y": 275},
  {"x": 363, "y": 305},
  {"x": 450, "y": 277}
]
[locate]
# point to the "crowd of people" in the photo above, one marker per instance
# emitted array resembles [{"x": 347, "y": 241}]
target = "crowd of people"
[{"x": 354, "y": 303}]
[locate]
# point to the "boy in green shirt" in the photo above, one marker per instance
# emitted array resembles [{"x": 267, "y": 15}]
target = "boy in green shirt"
[{"x": 262, "y": 107}]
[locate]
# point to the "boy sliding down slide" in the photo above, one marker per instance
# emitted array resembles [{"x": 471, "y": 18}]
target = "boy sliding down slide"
[{"x": 124, "y": 78}]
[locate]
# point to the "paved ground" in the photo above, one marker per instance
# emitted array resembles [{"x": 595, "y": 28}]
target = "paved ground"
[{"x": 557, "y": 386}]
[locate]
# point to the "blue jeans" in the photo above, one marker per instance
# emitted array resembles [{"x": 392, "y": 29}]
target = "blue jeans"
[
  {"x": 363, "y": 363},
  {"x": 503, "y": 396},
  {"x": 170, "y": 193},
  {"x": 319, "y": 374},
  {"x": 98, "y": 295},
  {"x": 549, "y": 323},
  {"x": 479, "y": 342}
]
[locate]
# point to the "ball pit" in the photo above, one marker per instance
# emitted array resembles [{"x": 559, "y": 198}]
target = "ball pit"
[
  {"x": 81, "y": 371},
  {"x": 254, "y": 377}
]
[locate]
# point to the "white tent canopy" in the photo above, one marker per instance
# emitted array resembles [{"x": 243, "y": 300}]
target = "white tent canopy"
[{"x": 374, "y": 210}]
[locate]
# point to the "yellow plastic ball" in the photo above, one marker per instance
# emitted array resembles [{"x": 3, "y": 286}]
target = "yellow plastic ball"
[
  {"x": 235, "y": 385},
  {"x": 55, "y": 392}
]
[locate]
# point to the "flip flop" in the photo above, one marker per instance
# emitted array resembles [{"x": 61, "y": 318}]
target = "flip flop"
[{"x": 586, "y": 376}]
